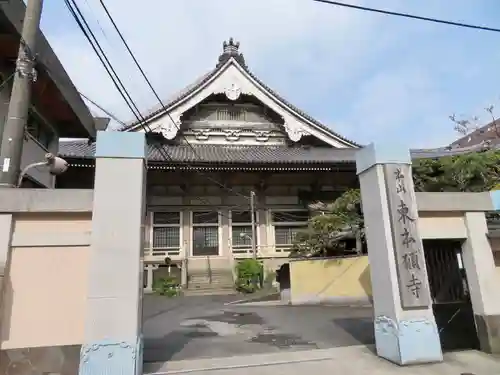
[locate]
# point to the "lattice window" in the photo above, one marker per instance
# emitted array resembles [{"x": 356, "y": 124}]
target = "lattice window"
[
  {"x": 166, "y": 232},
  {"x": 231, "y": 114},
  {"x": 205, "y": 233},
  {"x": 286, "y": 226},
  {"x": 241, "y": 231}
]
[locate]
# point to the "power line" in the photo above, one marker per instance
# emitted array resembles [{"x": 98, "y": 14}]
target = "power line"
[
  {"x": 126, "y": 96},
  {"x": 159, "y": 99},
  {"x": 89, "y": 35},
  {"x": 407, "y": 15},
  {"x": 85, "y": 28},
  {"x": 7, "y": 80},
  {"x": 97, "y": 20},
  {"x": 102, "y": 109}
]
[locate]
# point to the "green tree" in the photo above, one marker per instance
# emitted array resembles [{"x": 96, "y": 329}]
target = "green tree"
[
  {"x": 472, "y": 172},
  {"x": 331, "y": 223}
]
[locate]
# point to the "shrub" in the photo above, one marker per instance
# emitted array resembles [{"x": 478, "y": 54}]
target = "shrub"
[
  {"x": 166, "y": 286},
  {"x": 249, "y": 275}
]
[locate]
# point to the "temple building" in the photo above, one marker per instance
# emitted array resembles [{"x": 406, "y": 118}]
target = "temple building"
[{"x": 219, "y": 147}]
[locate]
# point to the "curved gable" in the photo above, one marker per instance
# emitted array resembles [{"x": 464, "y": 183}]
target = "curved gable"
[{"x": 233, "y": 79}]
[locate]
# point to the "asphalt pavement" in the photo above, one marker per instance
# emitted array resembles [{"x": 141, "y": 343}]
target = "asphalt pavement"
[{"x": 202, "y": 327}]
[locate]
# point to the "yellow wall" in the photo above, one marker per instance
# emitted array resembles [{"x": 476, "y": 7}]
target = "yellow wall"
[
  {"x": 330, "y": 279},
  {"x": 45, "y": 295}
]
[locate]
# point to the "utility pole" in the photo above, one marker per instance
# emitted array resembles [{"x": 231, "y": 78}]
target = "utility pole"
[
  {"x": 252, "y": 211},
  {"x": 13, "y": 137}
]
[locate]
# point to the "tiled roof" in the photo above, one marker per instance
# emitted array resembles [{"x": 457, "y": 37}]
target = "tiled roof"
[
  {"x": 433, "y": 153},
  {"x": 224, "y": 154},
  {"x": 206, "y": 77},
  {"x": 176, "y": 97},
  {"x": 81, "y": 149},
  {"x": 487, "y": 133}
]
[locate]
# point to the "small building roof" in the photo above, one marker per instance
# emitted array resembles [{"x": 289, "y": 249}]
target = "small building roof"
[
  {"x": 489, "y": 133},
  {"x": 59, "y": 97}
]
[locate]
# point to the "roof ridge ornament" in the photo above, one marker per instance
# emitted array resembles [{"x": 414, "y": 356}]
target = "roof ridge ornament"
[
  {"x": 230, "y": 46},
  {"x": 231, "y": 49}
]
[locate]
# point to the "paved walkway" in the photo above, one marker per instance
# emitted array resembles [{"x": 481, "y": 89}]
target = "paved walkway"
[
  {"x": 206, "y": 327},
  {"x": 354, "y": 360}
]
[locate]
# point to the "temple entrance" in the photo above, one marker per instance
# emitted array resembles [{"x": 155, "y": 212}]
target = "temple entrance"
[
  {"x": 450, "y": 295},
  {"x": 205, "y": 233}
]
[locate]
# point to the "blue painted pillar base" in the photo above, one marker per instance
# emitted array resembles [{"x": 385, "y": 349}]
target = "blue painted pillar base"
[
  {"x": 495, "y": 199},
  {"x": 408, "y": 341},
  {"x": 110, "y": 357}
]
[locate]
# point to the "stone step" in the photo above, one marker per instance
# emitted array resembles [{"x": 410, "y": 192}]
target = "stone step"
[
  {"x": 208, "y": 286},
  {"x": 210, "y": 280},
  {"x": 213, "y": 279},
  {"x": 209, "y": 292},
  {"x": 213, "y": 274},
  {"x": 211, "y": 286}
]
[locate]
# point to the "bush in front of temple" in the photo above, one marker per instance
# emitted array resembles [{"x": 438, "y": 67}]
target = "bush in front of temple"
[{"x": 249, "y": 275}]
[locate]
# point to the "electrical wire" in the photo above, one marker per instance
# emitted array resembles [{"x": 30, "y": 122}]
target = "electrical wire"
[
  {"x": 85, "y": 28},
  {"x": 102, "y": 109},
  {"x": 97, "y": 20},
  {"x": 7, "y": 80},
  {"x": 407, "y": 15},
  {"x": 165, "y": 110},
  {"x": 126, "y": 96},
  {"x": 72, "y": 6}
]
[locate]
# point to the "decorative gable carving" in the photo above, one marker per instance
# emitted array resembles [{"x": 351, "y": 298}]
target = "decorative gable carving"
[
  {"x": 233, "y": 80},
  {"x": 232, "y": 135},
  {"x": 202, "y": 134},
  {"x": 294, "y": 129},
  {"x": 169, "y": 125},
  {"x": 233, "y": 92},
  {"x": 233, "y": 83},
  {"x": 262, "y": 135}
]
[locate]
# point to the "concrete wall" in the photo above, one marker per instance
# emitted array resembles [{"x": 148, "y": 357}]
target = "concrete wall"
[
  {"x": 45, "y": 252},
  {"x": 45, "y": 295},
  {"x": 442, "y": 225}
]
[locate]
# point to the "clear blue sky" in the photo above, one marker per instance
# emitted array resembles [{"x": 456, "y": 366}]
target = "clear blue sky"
[{"x": 370, "y": 77}]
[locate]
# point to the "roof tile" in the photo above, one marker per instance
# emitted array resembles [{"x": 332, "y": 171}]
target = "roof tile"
[
  {"x": 223, "y": 154},
  {"x": 81, "y": 149}
]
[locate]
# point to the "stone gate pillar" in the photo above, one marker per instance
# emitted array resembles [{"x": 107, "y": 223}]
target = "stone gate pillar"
[
  {"x": 483, "y": 278},
  {"x": 113, "y": 341},
  {"x": 405, "y": 329}
]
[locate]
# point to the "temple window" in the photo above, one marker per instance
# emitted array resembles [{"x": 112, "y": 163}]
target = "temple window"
[
  {"x": 241, "y": 231},
  {"x": 287, "y": 223},
  {"x": 166, "y": 233}
]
